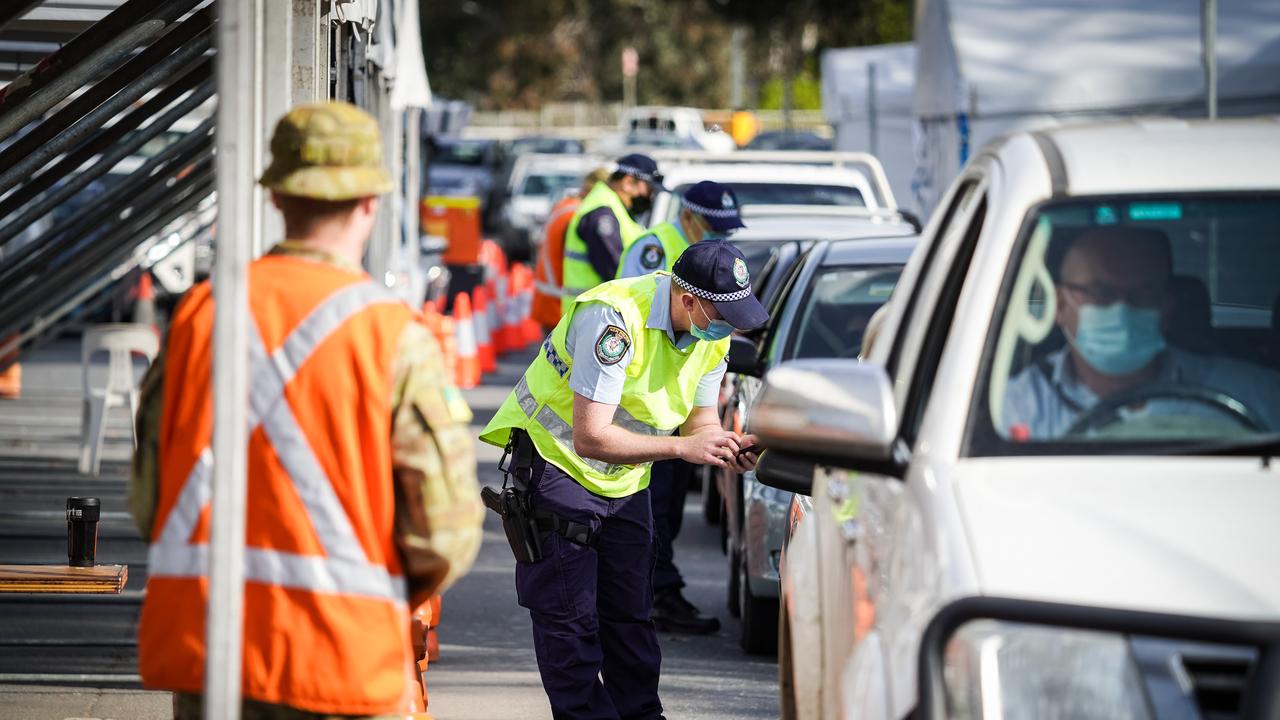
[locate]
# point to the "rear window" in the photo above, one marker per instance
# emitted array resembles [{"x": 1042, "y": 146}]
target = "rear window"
[{"x": 763, "y": 193}]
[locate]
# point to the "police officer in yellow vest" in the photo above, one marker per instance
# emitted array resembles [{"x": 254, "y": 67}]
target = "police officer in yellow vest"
[
  {"x": 604, "y": 226},
  {"x": 707, "y": 210},
  {"x": 631, "y": 363}
]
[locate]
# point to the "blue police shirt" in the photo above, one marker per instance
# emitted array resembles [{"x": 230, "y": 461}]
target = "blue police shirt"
[
  {"x": 603, "y": 383},
  {"x": 1046, "y": 398}
]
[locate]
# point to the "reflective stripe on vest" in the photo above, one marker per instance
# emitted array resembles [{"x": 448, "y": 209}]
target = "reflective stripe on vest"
[
  {"x": 345, "y": 568},
  {"x": 658, "y": 394},
  {"x": 673, "y": 244},
  {"x": 563, "y": 432}
]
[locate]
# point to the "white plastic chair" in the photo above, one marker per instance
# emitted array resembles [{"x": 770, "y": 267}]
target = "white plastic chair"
[{"x": 121, "y": 341}]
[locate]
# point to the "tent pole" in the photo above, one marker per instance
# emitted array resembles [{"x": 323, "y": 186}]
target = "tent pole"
[{"x": 239, "y": 43}]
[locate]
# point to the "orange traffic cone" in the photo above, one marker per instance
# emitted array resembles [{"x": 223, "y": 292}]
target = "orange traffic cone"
[
  {"x": 144, "y": 306},
  {"x": 431, "y": 318},
  {"x": 10, "y": 377},
  {"x": 484, "y": 335},
  {"x": 449, "y": 348},
  {"x": 465, "y": 336},
  {"x": 530, "y": 330}
]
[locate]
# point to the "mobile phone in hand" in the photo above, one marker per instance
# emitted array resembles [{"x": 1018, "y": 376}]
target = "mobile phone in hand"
[{"x": 749, "y": 449}]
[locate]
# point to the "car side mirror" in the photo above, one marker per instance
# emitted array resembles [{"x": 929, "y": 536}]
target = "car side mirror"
[
  {"x": 744, "y": 357},
  {"x": 831, "y": 412},
  {"x": 783, "y": 471}
]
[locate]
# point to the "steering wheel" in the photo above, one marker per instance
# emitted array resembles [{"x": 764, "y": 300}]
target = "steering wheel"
[{"x": 1107, "y": 411}]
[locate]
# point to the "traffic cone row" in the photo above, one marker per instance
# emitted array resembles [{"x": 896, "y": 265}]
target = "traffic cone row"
[{"x": 492, "y": 320}]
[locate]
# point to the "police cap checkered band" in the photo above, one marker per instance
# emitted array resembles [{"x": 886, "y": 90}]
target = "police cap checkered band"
[
  {"x": 711, "y": 212},
  {"x": 639, "y": 174},
  {"x": 713, "y": 297}
]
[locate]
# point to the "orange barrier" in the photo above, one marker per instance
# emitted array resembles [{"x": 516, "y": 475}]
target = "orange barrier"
[
  {"x": 458, "y": 220},
  {"x": 484, "y": 334},
  {"x": 468, "y": 375}
]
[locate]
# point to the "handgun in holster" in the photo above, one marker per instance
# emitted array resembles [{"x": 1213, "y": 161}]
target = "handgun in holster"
[{"x": 523, "y": 524}]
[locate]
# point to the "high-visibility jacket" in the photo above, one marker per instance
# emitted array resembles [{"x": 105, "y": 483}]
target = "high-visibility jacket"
[
  {"x": 579, "y": 275},
  {"x": 673, "y": 244},
  {"x": 548, "y": 275},
  {"x": 325, "y": 611},
  {"x": 657, "y": 396}
]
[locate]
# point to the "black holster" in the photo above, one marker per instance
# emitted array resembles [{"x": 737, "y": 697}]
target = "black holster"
[{"x": 523, "y": 525}]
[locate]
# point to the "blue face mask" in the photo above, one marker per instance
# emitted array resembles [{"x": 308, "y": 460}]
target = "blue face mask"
[
  {"x": 1118, "y": 339},
  {"x": 716, "y": 329}
]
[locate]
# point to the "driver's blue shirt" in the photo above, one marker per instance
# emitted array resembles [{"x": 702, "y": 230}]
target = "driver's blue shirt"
[{"x": 1044, "y": 400}]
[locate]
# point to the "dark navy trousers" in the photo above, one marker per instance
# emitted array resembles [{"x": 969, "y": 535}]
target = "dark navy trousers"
[
  {"x": 667, "y": 490},
  {"x": 596, "y": 646}
]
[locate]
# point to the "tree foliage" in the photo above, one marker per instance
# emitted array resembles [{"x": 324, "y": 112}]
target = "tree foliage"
[{"x": 515, "y": 54}]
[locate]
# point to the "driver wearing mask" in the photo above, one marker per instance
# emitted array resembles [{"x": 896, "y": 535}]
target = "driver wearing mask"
[{"x": 1113, "y": 306}]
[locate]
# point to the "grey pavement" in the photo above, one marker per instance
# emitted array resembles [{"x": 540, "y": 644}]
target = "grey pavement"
[{"x": 72, "y": 657}]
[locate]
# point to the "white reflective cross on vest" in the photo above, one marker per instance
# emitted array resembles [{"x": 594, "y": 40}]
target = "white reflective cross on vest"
[{"x": 344, "y": 568}]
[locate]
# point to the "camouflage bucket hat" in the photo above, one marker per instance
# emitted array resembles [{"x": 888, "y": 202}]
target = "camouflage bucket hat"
[{"x": 327, "y": 151}]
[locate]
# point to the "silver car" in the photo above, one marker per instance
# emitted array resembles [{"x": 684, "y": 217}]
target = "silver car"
[{"x": 821, "y": 312}]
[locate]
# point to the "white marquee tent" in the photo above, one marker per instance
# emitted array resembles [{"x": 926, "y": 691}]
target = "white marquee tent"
[{"x": 985, "y": 67}]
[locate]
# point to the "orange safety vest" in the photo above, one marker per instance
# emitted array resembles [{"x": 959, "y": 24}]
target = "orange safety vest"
[
  {"x": 548, "y": 276},
  {"x": 326, "y": 619}
]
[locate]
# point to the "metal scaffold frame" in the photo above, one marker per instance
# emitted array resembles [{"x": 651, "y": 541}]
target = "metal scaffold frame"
[{"x": 88, "y": 110}]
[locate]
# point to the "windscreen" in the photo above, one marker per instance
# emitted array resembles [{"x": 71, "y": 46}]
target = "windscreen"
[
  {"x": 1132, "y": 322},
  {"x": 837, "y": 308}
]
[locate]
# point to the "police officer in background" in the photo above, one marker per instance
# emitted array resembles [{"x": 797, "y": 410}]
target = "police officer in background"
[
  {"x": 708, "y": 210},
  {"x": 631, "y": 362},
  {"x": 605, "y": 226}
]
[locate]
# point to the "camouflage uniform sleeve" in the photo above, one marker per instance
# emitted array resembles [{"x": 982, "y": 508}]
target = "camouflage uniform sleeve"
[
  {"x": 144, "y": 471},
  {"x": 438, "y": 509}
]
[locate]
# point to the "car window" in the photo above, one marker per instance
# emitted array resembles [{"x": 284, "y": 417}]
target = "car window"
[
  {"x": 836, "y": 309},
  {"x": 548, "y": 185},
  {"x": 462, "y": 153},
  {"x": 763, "y": 193},
  {"x": 1133, "y": 321}
]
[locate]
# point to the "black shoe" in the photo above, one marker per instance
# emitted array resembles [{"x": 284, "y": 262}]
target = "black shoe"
[{"x": 673, "y": 614}]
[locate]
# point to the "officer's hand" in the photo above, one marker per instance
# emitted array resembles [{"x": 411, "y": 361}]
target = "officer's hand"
[
  {"x": 748, "y": 453},
  {"x": 713, "y": 446}
]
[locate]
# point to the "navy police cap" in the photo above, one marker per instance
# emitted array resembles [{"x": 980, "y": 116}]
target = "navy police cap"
[
  {"x": 641, "y": 167},
  {"x": 715, "y": 270},
  {"x": 716, "y": 203}
]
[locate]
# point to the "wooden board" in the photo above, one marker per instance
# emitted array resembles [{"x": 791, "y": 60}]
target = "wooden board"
[{"x": 100, "y": 579}]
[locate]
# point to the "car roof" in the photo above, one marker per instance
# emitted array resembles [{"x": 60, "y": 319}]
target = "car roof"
[
  {"x": 1163, "y": 155},
  {"x": 818, "y": 227},
  {"x": 869, "y": 251},
  {"x": 773, "y": 173}
]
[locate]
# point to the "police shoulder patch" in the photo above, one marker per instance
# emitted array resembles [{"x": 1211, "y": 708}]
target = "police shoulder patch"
[
  {"x": 612, "y": 345},
  {"x": 606, "y": 224},
  {"x": 651, "y": 256}
]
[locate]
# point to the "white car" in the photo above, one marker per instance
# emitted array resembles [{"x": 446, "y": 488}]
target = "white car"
[
  {"x": 805, "y": 179},
  {"x": 1049, "y": 492},
  {"x": 663, "y": 126},
  {"x": 537, "y": 181}
]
